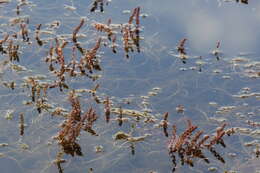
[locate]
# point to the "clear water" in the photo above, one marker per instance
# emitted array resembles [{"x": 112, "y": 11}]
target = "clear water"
[{"x": 202, "y": 89}]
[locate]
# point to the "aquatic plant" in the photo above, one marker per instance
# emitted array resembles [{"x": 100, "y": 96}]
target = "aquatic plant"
[
  {"x": 189, "y": 146},
  {"x": 99, "y": 3},
  {"x": 63, "y": 72},
  {"x": 72, "y": 126},
  {"x": 242, "y": 1}
]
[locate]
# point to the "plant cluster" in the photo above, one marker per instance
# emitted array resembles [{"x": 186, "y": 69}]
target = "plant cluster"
[
  {"x": 72, "y": 126},
  {"x": 190, "y": 145}
]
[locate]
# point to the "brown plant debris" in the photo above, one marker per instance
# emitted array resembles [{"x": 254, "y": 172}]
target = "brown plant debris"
[
  {"x": 120, "y": 135},
  {"x": 253, "y": 123},
  {"x": 164, "y": 124},
  {"x": 10, "y": 85},
  {"x": 21, "y": 124},
  {"x": 217, "y": 52},
  {"x": 257, "y": 151},
  {"x": 24, "y": 32},
  {"x": 76, "y": 30},
  {"x": 131, "y": 36},
  {"x": 180, "y": 109},
  {"x": 56, "y": 56},
  {"x": 37, "y": 35},
  {"x": 189, "y": 146},
  {"x": 89, "y": 60},
  {"x": 91, "y": 118},
  {"x": 130, "y": 32},
  {"x": 99, "y": 3},
  {"x": 2, "y": 50},
  {"x": 12, "y": 51},
  {"x": 242, "y": 1},
  {"x": 182, "y": 51},
  {"x": 104, "y": 28},
  {"x": 4, "y": 1},
  {"x": 120, "y": 117},
  {"x": 58, "y": 161},
  {"x": 72, "y": 126},
  {"x": 38, "y": 89},
  {"x": 62, "y": 67},
  {"x": 107, "y": 109}
]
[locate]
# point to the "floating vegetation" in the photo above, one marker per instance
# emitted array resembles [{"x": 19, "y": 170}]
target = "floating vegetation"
[
  {"x": 189, "y": 147},
  {"x": 3, "y": 144},
  {"x": 72, "y": 126},
  {"x": 242, "y": 1},
  {"x": 122, "y": 136},
  {"x": 182, "y": 51},
  {"x": 164, "y": 124},
  {"x": 71, "y": 103},
  {"x": 21, "y": 124},
  {"x": 130, "y": 32},
  {"x": 9, "y": 114},
  {"x": 100, "y": 4},
  {"x": 24, "y": 146},
  {"x": 37, "y": 35},
  {"x": 180, "y": 109},
  {"x": 217, "y": 52},
  {"x": 4, "y": 1}
]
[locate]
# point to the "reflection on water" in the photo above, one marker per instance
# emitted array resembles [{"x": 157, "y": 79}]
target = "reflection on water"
[{"x": 77, "y": 81}]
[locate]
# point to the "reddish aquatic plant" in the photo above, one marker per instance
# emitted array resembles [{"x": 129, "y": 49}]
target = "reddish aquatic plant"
[
  {"x": 99, "y": 3},
  {"x": 120, "y": 116},
  {"x": 176, "y": 142},
  {"x": 181, "y": 48},
  {"x": 4, "y": 39},
  {"x": 104, "y": 28},
  {"x": 91, "y": 117},
  {"x": 89, "y": 59},
  {"x": 253, "y": 123},
  {"x": 107, "y": 109},
  {"x": 76, "y": 30},
  {"x": 21, "y": 124},
  {"x": 217, "y": 138},
  {"x": 12, "y": 51},
  {"x": 24, "y": 32},
  {"x": 130, "y": 32},
  {"x": 2, "y": 50},
  {"x": 37, "y": 34},
  {"x": 131, "y": 35},
  {"x": 189, "y": 146},
  {"x": 72, "y": 126},
  {"x": 164, "y": 124}
]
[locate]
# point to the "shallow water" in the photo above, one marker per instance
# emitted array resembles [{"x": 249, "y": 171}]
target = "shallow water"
[{"x": 212, "y": 91}]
